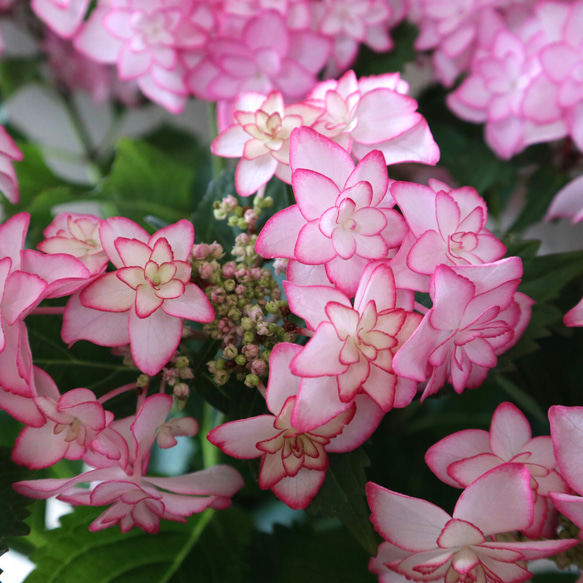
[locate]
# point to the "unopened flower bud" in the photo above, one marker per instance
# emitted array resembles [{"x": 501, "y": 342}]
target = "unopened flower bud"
[
  {"x": 241, "y": 360},
  {"x": 250, "y": 351},
  {"x": 258, "y": 367},
  {"x": 221, "y": 377},
  {"x": 230, "y": 352},
  {"x": 143, "y": 381},
  {"x": 252, "y": 380}
]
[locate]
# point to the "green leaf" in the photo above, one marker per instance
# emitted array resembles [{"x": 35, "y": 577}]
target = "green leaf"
[
  {"x": 83, "y": 365},
  {"x": 144, "y": 181},
  {"x": 343, "y": 496},
  {"x": 12, "y": 505},
  {"x": 208, "y": 229},
  {"x": 299, "y": 553},
  {"x": 542, "y": 187},
  {"x": 545, "y": 276},
  {"x": 522, "y": 398},
  {"x": 16, "y": 73},
  {"x": 209, "y": 548},
  {"x": 543, "y": 317}
]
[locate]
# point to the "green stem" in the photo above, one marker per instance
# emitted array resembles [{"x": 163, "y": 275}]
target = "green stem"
[
  {"x": 196, "y": 533},
  {"x": 218, "y": 163},
  {"x": 210, "y": 419}
]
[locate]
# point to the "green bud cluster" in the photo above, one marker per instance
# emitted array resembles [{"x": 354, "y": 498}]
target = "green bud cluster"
[
  {"x": 242, "y": 217},
  {"x": 250, "y": 316},
  {"x": 573, "y": 556}
]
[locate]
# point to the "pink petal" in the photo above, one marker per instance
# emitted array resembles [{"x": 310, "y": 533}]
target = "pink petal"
[
  {"x": 509, "y": 431},
  {"x": 499, "y": 501},
  {"x": 180, "y": 237},
  {"x": 317, "y": 403},
  {"x": 191, "y": 305},
  {"x": 153, "y": 340},
  {"x": 566, "y": 432},
  {"x": 298, "y": 492},
  {"x": 307, "y": 182},
  {"x": 455, "y": 447},
  {"x": 103, "y": 328},
  {"x": 282, "y": 383},
  {"x": 108, "y": 294},
  {"x": 239, "y": 438},
  {"x": 410, "y": 523},
  {"x": 251, "y": 175},
  {"x": 312, "y": 151},
  {"x": 279, "y": 236}
]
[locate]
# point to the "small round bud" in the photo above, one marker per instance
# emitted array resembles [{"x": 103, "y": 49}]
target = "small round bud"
[
  {"x": 230, "y": 352},
  {"x": 241, "y": 360},
  {"x": 252, "y": 380}
]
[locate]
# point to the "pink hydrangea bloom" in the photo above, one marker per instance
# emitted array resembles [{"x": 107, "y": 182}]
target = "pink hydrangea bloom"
[
  {"x": 352, "y": 349},
  {"x": 463, "y": 546},
  {"x": 509, "y": 90},
  {"x": 77, "y": 235},
  {"x": 146, "y": 40},
  {"x": 477, "y": 314},
  {"x": 293, "y": 461},
  {"x": 350, "y": 223},
  {"x": 26, "y": 277},
  {"x": 566, "y": 433},
  {"x": 9, "y": 153},
  {"x": 72, "y": 421},
  {"x": 447, "y": 226},
  {"x": 374, "y": 113},
  {"x": 62, "y": 16},
  {"x": 143, "y": 302},
  {"x": 352, "y": 22},
  {"x": 260, "y": 137},
  {"x": 266, "y": 55},
  {"x": 562, "y": 59},
  {"x": 119, "y": 478},
  {"x": 463, "y": 457}
]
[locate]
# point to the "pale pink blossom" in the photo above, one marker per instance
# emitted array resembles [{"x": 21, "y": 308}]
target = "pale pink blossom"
[
  {"x": 509, "y": 90},
  {"x": 62, "y": 16},
  {"x": 72, "y": 421},
  {"x": 119, "y": 478},
  {"x": 77, "y": 235},
  {"x": 463, "y": 546},
  {"x": 562, "y": 59},
  {"x": 477, "y": 314},
  {"x": 75, "y": 71},
  {"x": 266, "y": 55},
  {"x": 9, "y": 153},
  {"x": 348, "y": 224},
  {"x": 293, "y": 461},
  {"x": 350, "y": 23},
  {"x": 566, "y": 433},
  {"x": 374, "y": 113},
  {"x": 144, "y": 301},
  {"x": 352, "y": 349},
  {"x": 145, "y": 39},
  {"x": 447, "y": 226},
  {"x": 568, "y": 202},
  {"x": 260, "y": 137},
  {"x": 463, "y": 457},
  {"x": 27, "y": 277}
]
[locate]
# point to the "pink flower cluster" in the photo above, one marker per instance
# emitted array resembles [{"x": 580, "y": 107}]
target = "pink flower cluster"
[
  {"x": 524, "y": 63},
  {"x": 354, "y": 264},
  {"x": 360, "y": 115},
  {"x": 142, "y": 304},
  {"x": 512, "y": 484},
  {"x": 216, "y": 50}
]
